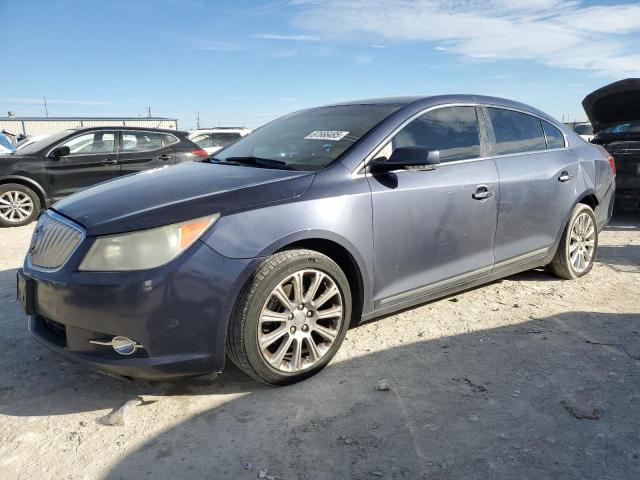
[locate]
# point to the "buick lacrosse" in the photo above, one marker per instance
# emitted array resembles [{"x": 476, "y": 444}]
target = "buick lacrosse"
[{"x": 267, "y": 251}]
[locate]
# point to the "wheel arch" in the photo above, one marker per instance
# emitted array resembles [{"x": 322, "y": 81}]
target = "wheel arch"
[
  {"x": 29, "y": 183},
  {"x": 344, "y": 256}
]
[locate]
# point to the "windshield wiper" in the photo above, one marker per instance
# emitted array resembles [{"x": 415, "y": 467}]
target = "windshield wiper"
[{"x": 252, "y": 161}]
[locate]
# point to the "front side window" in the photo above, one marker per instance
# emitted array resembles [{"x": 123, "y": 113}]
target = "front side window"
[
  {"x": 141, "y": 141},
  {"x": 516, "y": 132},
  {"x": 307, "y": 140},
  {"x": 92, "y": 143},
  {"x": 555, "y": 138},
  {"x": 454, "y": 131}
]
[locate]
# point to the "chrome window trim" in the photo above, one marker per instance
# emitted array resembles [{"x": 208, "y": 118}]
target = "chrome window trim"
[
  {"x": 67, "y": 222},
  {"x": 359, "y": 171},
  {"x": 115, "y": 150}
]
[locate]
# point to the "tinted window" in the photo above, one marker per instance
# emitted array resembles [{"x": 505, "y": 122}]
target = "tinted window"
[
  {"x": 92, "y": 143},
  {"x": 168, "y": 139},
  {"x": 311, "y": 139},
  {"x": 555, "y": 139},
  {"x": 516, "y": 132},
  {"x": 45, "y": 142},
  {"x": 141, "y": 141},
  {"x": 452, "y": 130}
]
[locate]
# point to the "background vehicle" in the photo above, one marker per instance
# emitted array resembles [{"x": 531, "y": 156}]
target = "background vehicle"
[
  {"x": 214, "y": 139},
  {"x": 585, "y": 130},
  {"x": 48, "y": 170},
  {"x": 6, "y": 146},
  {"x": 614, "y": 111},
  {"x": 29, "y": 140},
  {"x": 268, "y": 250}
]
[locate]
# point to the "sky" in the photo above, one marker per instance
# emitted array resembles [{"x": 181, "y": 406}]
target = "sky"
[{"x": 246, "y": 62}]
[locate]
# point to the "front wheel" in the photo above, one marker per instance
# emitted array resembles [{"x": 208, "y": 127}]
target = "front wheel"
[
  {"x": 291, "y": 318},
  {"x": 578, "y": 245}
]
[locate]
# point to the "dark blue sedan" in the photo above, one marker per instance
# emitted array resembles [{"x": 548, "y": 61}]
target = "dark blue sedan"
[{"x": 269, "y": 250}]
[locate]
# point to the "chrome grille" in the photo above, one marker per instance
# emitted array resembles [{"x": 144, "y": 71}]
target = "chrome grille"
[{"x": 54, "y": 240}]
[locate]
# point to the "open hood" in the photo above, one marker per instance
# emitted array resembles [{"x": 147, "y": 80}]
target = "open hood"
[{"x": 616, "y": 103}]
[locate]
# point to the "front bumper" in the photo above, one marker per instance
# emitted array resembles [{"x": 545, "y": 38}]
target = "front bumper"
[{"x": 178, "y": 312}]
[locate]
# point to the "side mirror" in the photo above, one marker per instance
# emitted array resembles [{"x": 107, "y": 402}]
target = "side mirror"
[
  {"x": 408, "y": 158},
  {"x": 56, "y": 153}
]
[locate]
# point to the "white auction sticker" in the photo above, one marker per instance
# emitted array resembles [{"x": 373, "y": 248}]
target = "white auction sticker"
[{"x": 332, "y": 135}]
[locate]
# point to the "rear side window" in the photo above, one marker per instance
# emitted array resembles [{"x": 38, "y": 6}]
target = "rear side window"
[
  {"x": 453, "y": 131},
  {"x": 516, "y": 132},
  {"x": 168, "y": 139},
  {"x": 554, "y": 136},
  {"x": 141, "y": 141}
]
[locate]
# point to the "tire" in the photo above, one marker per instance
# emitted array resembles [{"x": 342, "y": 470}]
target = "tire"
[
  {"x": 19, "y": 205},
  {"x": 299, "y": 331},
  {"x": 579, "y": 240}
]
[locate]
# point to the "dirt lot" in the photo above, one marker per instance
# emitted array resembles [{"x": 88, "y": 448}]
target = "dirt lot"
[{"x": 529, "y": 377}]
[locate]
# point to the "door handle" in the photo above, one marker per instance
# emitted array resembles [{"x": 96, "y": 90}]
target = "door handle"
[
  {"x": 482, "y": 193},
  {"x": 165, "y": 157},
  {"x": 564, "y": 177},
  {"x": 109, "y": 161}
]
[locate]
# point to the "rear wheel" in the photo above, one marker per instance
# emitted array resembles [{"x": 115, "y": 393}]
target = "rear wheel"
[
  {"x": 578, "y": 245},
  {"x": 291, "y": 318},
  {"x": 19, "y": 205}
]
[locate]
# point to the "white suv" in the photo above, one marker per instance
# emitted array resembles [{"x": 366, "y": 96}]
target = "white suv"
[{"x": 213, "y": 139}]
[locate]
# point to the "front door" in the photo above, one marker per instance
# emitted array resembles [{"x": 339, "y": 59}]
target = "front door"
[
  {"x": 93, "y": 158},
  {"x": 434, "y": 229}
]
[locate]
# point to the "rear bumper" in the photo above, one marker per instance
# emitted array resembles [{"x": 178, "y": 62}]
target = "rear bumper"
[{"x": 179, "y": 313}]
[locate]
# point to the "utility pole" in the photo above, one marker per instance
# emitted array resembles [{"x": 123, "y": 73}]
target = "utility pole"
[
  {"x": 197, "y": 120},
  {"x": 46, "y": 110},
  {"x": 149, "y": 112}
]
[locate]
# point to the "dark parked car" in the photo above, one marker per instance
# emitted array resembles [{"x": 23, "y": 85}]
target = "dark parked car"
[
  {"x": 48, "y": 170},
  {"x": 328, "y": 216},
  {"x": 614, "y": 111}
]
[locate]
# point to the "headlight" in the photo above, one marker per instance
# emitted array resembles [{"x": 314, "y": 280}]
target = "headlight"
[{"x": 146, "y": 248}]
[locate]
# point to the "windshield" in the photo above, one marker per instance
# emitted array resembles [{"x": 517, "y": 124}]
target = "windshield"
[
  {"x": 35, "y": 147},
  {"x": 629, "y": 127},
  {"x": 308, "y": 140}
]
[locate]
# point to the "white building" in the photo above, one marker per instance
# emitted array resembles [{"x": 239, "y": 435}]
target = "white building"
[{"x": 48, "y": 125}]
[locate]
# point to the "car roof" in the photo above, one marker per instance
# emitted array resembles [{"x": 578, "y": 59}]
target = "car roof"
[
  {"x": 426, "y": 101},
  {"x": 125, "y": 128}
]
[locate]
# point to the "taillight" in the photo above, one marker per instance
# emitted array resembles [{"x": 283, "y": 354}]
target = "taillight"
[
  {"x": 199, "y": 152},
  {"x": 612, "y": 163}
]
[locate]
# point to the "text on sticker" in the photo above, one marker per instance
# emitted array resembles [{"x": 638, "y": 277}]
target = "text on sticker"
[{"x": 332, "y": 135}]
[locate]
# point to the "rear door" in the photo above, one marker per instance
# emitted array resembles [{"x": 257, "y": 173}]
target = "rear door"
[
  {"x": 537, "y": 183},
  {"x": 93, "y": 158},
  {"x": 434, "y": 229},
  {"x": 141, "y": 150}
]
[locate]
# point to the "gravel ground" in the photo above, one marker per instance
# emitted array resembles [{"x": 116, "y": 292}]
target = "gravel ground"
[{"x": 529, "y": 377}]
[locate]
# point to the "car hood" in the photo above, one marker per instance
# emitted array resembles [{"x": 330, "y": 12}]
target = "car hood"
[
  {"x": 616, "y": 103},
  {"x": 173, "y": 194}
]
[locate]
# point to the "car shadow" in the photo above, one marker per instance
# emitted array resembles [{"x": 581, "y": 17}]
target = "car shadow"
[{"x": 503, "y": 403}]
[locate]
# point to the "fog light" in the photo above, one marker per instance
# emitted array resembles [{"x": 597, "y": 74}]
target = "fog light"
[{"x": 121, "y": 345}]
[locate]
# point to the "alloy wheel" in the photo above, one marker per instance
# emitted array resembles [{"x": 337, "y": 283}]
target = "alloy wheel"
[
  {"x": 582, "y": 243},
  {"x": 300, "y": 320},
  {"x": 15, "y": 206}
]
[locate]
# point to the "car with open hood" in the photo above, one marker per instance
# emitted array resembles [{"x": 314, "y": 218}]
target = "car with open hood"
[
  {"x": 614, "y": 112},
  {"x": 267, "y": 251}
]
